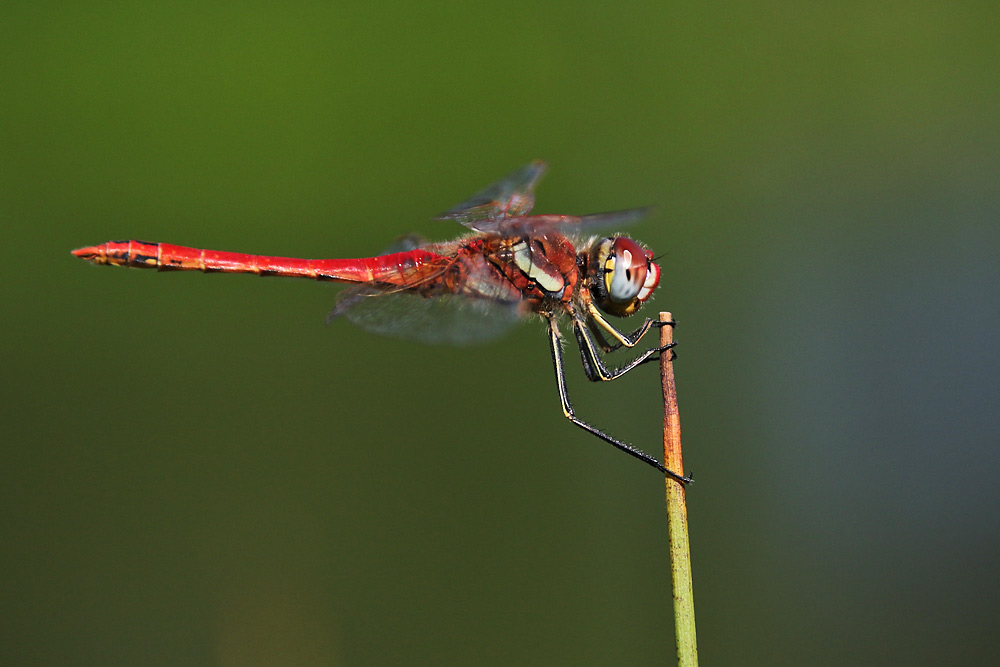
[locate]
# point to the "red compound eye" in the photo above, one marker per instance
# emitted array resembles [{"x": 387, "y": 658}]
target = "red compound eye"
[{"x": 626, "y": 270}]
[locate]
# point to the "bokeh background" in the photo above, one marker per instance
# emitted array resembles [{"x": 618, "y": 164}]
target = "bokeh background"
[{"x": 195, "y": 470}]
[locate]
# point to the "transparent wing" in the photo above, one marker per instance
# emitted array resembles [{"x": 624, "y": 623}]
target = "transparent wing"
[
  {"x": 511, "y": 196},
  {"x": 404, "y": 243},
  {"x": 603, "y": 221},
  {"x": 539, "y": 225},
  {"x": 452, "y": 319}
]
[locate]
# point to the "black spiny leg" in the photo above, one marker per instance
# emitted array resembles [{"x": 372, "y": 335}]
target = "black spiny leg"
[
  {"x": 597, "y": 321},
  {"x": 555, "y": 343},
  {"x": 593, "y": 364},
  {"x": 633, "y": 337}
]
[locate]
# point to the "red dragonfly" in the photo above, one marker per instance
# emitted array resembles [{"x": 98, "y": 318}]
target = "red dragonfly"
[{"x": 510, "y": 266}]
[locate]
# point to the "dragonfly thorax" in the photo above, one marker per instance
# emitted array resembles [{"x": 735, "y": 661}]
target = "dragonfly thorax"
[
  {"x": 621, "y": 275},
  {"x": 541, "y": 270}
]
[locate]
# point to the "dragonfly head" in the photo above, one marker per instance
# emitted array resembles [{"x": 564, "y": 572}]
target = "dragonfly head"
[{"x": 623, "y": 275}]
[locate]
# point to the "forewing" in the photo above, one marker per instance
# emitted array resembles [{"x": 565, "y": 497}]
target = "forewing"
[
  {"x": 451, "y": 319},
  {"x": 511, "y": 196},
  {"x": 569, "y": 225},
  {"x": 596, "y": 222}
]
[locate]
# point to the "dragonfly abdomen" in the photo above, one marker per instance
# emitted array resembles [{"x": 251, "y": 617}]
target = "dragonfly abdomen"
[{"x": 394, "y": 269}]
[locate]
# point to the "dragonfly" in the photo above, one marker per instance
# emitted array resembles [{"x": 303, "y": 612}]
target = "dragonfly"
[{"x": 509, "y": 266}]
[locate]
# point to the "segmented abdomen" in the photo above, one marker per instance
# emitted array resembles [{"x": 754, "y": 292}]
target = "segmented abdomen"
[{"x": 401, "y": 268}]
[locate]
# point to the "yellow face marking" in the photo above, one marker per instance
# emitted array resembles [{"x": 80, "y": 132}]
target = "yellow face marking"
[{"x": 609, "y": 272}]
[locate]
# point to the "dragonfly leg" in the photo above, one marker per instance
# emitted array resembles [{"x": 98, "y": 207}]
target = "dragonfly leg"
[
  {"x": 555, "y": 342},
  {"x": 599, "y": 337},
  {"x": 628, "y": 340},
  {"x": 593, "y": 364}
]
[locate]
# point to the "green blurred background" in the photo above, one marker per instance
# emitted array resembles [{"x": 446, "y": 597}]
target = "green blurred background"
[{"x": 195, "y": 470}]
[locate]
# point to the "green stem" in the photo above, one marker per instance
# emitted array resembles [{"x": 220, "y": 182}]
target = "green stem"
[{"x": 677, "y": 529}]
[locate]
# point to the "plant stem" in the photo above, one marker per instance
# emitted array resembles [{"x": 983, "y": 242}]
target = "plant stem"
[{"x": 677, "y": 529}]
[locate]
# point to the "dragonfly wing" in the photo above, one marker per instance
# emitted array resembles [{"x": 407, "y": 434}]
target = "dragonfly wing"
[
  {"x": 450, "y": 318},
  {"x": 513, "y": 195},
  {"x": 604, "y": 221},
  {"x": 406, "y": 243},
  {"x": 570, "y": 225}
]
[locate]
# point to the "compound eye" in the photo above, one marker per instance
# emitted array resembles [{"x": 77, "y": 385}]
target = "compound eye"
[{"x": 628, "y": 273}]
